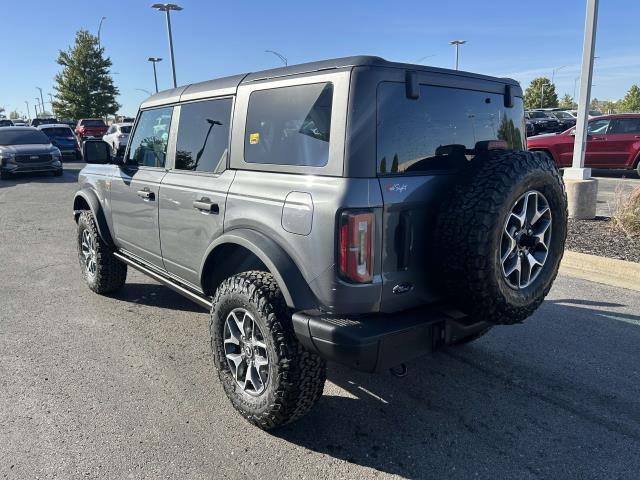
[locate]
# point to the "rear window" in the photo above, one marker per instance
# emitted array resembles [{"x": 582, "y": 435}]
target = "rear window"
[
  {"x": 92, "y": 123},
  {"x": 58, "y": 132},
  {"x": 538, "y": 115},
  {"x": 23, "y": 137},
  {"x": 289, "y": 125},
  {"x": 125, "y": 128},
  {"x": 443, "y": 129}
]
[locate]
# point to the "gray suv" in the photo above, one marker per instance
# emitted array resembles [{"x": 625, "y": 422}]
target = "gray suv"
[{"x": 353, "y": 210}]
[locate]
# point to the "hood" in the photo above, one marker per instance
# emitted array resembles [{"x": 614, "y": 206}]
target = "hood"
[{"x": 39, "y": 149}]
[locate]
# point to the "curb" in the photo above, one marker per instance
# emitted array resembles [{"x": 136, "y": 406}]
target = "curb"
[{"x": 618, "y": 273}]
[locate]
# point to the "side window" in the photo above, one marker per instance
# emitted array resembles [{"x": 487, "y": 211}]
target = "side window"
[
  {"x": 289, "y": 125},
  {"x": 203, "y": 136},
  {"x": 624, "y": 126},
  {"x": 149, "y": 143},
  {"x": 110, "y": 131},
  {"x": 598, "y": 127}
]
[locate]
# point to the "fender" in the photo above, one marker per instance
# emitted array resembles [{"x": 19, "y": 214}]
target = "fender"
[
  {"x": 91, "y": 198},
  {"x": 294, "y": 287}
]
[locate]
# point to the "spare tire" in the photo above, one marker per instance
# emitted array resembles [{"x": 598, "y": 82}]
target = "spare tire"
[{"x": 501, "y": 235}]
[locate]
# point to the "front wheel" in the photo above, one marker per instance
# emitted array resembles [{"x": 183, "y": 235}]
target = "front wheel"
[
  {"x": 264, "y": 370},
  {"x": 103, "y": 272}
]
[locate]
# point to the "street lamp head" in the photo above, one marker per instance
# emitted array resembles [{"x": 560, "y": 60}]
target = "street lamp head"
[
  {"x": 154, "y": 59},
  {"x": 164, "y": 7},
  {"x": 457, "y": 42}
]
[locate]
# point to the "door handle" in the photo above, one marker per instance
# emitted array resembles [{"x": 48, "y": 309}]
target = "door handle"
[
  {"x": 206, "y": 205},
  {"x": 146, "y": 194}
]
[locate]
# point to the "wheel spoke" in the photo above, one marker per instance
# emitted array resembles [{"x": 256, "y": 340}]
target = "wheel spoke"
[
  {"x": 260, "y": 361},
  {"x": 511, "y": 245},
  {"x": 236, "y": 360}
]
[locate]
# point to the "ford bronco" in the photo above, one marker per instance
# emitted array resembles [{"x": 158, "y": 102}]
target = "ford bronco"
[{"x": 353, "y": 210}]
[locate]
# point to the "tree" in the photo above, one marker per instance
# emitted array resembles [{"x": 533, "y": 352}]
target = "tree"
[
  {"x": 394, "y": 164},
  {"x": 383, "y": 165},
  {"x": 84, "y": 87},
  {"x": 508, "y": 132},
  {"x": 567, "y": 102},
  {"x": 541, "y": 93},
  {"x": 604, "y": 106},
  {"x": 14, "y": 115},
  {"x": 631, "y": 101}
]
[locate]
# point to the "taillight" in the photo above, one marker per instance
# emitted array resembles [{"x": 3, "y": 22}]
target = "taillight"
[{"x": 356, "y": 246}]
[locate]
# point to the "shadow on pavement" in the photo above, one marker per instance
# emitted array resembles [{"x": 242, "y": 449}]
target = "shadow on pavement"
[
  {"x": 507, "y": 406},
  {"x": 68, "y": 176},
  {"x": 156, "y": 295}
]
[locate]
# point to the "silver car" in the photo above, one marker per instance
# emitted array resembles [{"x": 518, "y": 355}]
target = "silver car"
[
  {"x": 117, "y": 137},
  {"x": 27, "y": 149}
]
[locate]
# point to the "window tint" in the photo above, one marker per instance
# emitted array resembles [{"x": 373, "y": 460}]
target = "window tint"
[
  {"x": 125, "y": 128},
  {"x": 598, "y": 127},
  {"x": 442, "y": 129},
  {"x": 626, "y": 125},
  {"x": 289, "y": 125},
  {"x": 58, "y": 132},
  {"x": 92, "y": 123},
  {"x": 149, "y": 144},
  {"x": 203, "y": 136},
  {"x": 23, "y": 136}
]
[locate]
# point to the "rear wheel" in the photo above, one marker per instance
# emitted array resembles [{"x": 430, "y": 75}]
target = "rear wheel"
[
  {"x": 266, "y": 373},
  {"x": 502, "y": 235}
]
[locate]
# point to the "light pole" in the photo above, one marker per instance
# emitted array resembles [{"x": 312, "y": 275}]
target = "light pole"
[
  {"x": 457, "y": 44},
  {"x": 28, "y": 111},
  {"x": 582, "y": 190},
  {"x": 41, "y": 98},
  {"x": 154, "y": 60},
  {"x": 36, "y": 106},
  {"x": 166, "y": 8},
  {"x": 100, "y": 28},
  {"x": 145, "y": 91},
  {"x": 553, "y": 72},
  {"x": 279, "y": 55}
]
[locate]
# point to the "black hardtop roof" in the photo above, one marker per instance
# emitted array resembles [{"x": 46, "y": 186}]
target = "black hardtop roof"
[{"x": 229, "y": 85}]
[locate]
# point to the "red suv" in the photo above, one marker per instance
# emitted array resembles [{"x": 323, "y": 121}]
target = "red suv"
[
  {"x": 90, "y": 127},
  {"x": 613, "y": 142}
]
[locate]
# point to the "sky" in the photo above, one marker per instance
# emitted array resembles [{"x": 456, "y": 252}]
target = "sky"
[{"x": 514, "y": 38}]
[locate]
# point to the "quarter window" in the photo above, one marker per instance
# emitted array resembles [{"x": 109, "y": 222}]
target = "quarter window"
[
  {"x": 289, "y": 125},
  {"x": 149, "y": 144},
  {"x": 203, "y": 136}
]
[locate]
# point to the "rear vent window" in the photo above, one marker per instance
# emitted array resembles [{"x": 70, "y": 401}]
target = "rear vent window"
[
  {"x": 289, "y": 125},
  {"x": 443, "y": 128}
]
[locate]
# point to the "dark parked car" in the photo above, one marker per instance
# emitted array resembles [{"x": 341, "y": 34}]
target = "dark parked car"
[
  {"x": 63, "y": 137},
  {"x": 354, "y": 210},
  {"x": 613, "y": 141},
  {"x": 543, "y": 122},
  {"x": 6, "y": 123},
  {"x": 90, "y": 128},
  {"x": 36, "y": 122},
  {"x": 27, "y": 149},
  {"x": 565, "y": 119}
]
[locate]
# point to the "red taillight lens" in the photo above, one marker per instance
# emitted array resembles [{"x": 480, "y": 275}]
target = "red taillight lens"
[{"x": 356, "y": 246}]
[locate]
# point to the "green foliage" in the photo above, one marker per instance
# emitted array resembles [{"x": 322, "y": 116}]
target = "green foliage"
[
  {"x": 511, "y": 134},
  {"x": 567, "y": 102},
  {"x": 631, "y": 101},
  {"x": 383, "y": 165},
  {"x": 394, "y": 164},
  {"x": 604, "y": 106},
  {"x": 84, "y": 86},
  {"x": 541, "y": 93}
]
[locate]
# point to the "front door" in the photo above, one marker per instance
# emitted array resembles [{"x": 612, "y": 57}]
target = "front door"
[
  {"x": 597, "y": 147},
  {"x": 193, "y": 193},
  {"x": 135, "y": 187}
]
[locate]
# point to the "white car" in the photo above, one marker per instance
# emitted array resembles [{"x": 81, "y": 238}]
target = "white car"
[{"x": 117, "y": 137}]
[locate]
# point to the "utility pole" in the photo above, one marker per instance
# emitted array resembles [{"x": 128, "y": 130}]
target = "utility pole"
[
  {"x": 582, "y": 190},
  {"x": 154, "y": 60},
  {"x": 457, "y": 44},
  {"x": 542, "y": 95},
  {"x": 553, "y": 72},
  {"x": 41, "y": 98},
  {"x": 166, "y": 8},
  {"x": 28, "y": 111}
]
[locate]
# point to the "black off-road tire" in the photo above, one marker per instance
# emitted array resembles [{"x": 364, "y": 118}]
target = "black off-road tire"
[
  {"x": 110, "y": 274},
  {"x": 296, "y": 376},
  {"x": 470, "y": 230}
]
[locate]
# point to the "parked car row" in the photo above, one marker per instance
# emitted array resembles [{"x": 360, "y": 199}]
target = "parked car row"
[
  {"x": 552, "y": 120},
  {"x": 613, "y": 141}
]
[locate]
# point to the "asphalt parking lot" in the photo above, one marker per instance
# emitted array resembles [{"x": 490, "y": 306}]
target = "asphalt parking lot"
[
  {"x": 124, "y": 387},
  {"x": 612, "y": 183}
]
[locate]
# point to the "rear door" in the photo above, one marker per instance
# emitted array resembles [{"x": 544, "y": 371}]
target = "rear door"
[
  {"x": 623, "y": 141},
  {"x": 135, "y": 186},
  {"x": 194, "y": 191},
  {"x": 422, "y": 144}
]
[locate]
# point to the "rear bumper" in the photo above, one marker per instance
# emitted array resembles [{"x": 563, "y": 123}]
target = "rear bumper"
[{"x": 376, "y": 342}]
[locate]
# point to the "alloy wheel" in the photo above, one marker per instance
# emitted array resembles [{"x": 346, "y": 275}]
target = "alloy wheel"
[{"x": 88, "y": 249}]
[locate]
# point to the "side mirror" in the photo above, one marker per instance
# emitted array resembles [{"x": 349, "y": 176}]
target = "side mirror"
[{"x": 96, "y": 151}]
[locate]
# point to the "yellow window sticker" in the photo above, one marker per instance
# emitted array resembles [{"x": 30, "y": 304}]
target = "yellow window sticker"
[{"x": 254, "y": 138}]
